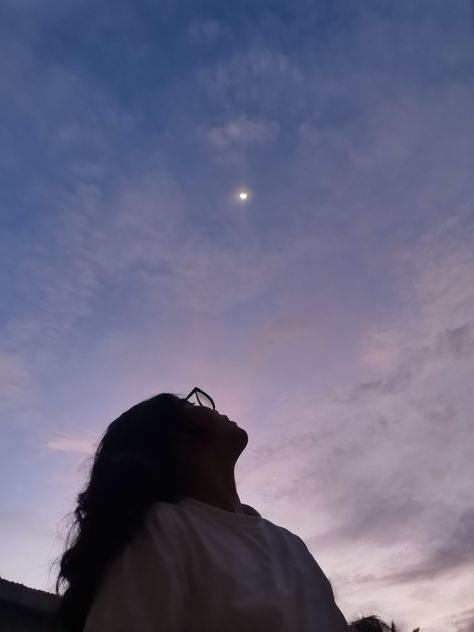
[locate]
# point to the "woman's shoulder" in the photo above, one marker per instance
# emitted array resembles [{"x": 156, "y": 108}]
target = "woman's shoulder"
[
  {"x": 160, "y": 513},
  {"x": 163, "y": 522}
]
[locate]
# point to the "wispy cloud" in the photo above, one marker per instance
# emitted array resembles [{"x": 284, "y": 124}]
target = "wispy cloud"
[
  {"x": 464, "y": 622},
  {"x": 79, "y": 445},
  {"x": 232, "y": 139},
  {"x": 457, "y": 550}
]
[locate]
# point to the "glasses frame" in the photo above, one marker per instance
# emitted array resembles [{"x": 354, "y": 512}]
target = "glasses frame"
[{"x": 197, "y": 391}]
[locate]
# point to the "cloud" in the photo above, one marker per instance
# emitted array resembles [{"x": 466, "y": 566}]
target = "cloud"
[
  {"x": 76, "y": 445},
  {"x": 462, "y": 621},
  {"x": 456, "y": 551},
  {"x": 231, "y": 140},
  {"x": 254, "y": 75}
]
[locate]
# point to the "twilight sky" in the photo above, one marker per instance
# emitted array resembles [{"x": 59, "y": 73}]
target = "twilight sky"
[{"x": 332, "y": 315}]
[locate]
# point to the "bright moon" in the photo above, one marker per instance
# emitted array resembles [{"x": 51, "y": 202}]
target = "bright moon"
[{"x": 243, "y": 195}]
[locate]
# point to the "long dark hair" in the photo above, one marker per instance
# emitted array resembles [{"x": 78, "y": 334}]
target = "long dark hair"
[{"x": 135, "y": 464}]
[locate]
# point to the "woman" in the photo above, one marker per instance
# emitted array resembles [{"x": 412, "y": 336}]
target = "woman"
[{"x": 163, "y": 543}]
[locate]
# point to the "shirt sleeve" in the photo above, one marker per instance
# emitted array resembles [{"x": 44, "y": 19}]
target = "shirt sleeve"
[
  {"x": 142, "y": 591},
  {"x": 331, "y": 617}
]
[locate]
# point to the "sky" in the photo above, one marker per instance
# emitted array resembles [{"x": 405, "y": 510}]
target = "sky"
[{"x": 331, "y": 314}]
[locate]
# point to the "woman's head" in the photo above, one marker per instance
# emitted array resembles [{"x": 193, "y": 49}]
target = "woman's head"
[{"x": 139, "y": 460}]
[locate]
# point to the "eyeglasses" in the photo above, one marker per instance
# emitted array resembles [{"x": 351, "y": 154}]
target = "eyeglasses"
[{"x": 202, "y": 398}]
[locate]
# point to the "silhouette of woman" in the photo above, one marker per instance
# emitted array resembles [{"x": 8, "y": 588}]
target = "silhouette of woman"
[{"x": 161, "y": 541}]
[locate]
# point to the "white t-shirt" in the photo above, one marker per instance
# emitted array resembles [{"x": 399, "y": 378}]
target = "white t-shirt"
[{"x": 193, "y": 567}]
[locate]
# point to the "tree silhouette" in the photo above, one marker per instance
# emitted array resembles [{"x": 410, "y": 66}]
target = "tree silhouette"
[{"x": 373, "y": 623}]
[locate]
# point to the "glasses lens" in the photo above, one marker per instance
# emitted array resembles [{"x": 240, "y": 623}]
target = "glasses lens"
[{"x": 203, "y": 400}]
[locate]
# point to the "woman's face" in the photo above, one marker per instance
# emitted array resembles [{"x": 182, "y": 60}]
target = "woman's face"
[
  {"x": 206, "y": 417},
  {"x": 220, "y": 431}
]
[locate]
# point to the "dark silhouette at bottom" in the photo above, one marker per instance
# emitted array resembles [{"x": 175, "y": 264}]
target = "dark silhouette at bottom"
[{"x": 373, "y": 623}]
